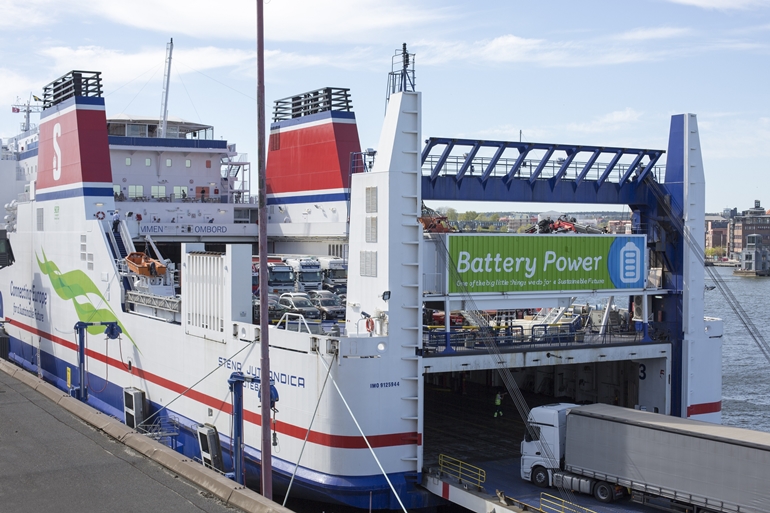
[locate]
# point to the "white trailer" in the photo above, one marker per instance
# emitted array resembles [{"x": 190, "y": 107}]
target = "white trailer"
[
  {"x": 335, "y": 273},
  {"x": 671, "y": 463}
]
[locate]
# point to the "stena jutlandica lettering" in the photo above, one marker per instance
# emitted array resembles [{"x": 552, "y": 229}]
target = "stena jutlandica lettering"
[{"x": 280, "y": 378}]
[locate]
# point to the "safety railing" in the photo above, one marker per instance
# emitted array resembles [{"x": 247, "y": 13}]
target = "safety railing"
[
  {"x": 551, "y": 504},
  {"x": 463, "y": 472}
]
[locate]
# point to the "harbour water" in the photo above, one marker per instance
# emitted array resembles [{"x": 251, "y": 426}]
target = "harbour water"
[{"x": 745, "y": 370}]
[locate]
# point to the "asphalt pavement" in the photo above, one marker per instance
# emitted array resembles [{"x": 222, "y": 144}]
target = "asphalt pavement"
[{"x": 56, "y": 455}]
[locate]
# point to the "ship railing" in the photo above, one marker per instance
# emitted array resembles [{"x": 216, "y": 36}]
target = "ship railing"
[
  {"x": 467, "y": 338},
  {"x": 479, "y": 164},
  {"x": 465, "y": 473},
  {"x": 164, "y": 429},
  {"x": 552, "y": 504}
]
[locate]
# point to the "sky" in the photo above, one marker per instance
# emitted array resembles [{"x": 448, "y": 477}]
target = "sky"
[{"x": 594, "y": 72}]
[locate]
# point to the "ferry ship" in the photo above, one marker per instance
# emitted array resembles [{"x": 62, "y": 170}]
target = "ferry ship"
[{"x": 354, "y": 391}]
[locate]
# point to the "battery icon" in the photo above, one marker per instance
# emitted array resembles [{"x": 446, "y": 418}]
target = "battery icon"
[{"x": 630, "y": 263}]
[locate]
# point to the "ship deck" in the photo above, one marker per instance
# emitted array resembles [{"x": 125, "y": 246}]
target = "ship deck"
[{"x": 461, "y": 424}]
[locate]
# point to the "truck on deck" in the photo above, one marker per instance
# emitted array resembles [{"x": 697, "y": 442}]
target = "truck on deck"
[
  {"x": 670, "y": 463},
  {"x": 307, "y": 271},
  {"x": 280, "y": 276},
  {"x": 335, "y": 274}
]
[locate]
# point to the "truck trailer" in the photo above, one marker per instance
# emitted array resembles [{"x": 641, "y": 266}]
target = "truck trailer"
[{"x": 674, "y": 464}]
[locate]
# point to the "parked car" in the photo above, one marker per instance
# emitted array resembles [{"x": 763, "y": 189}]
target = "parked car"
[
  {"x": 275, "y": 310},
  {"x": 325, "y": 294},
  {"x": 330, "y": 308},
  {"x": 298, "y": 303}
]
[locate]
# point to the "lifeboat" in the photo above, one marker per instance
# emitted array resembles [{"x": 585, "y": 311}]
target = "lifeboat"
[{"x": 143, "y": 265}]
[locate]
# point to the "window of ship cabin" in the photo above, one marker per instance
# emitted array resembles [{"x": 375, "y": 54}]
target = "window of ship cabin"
[
  {"x": 136, "y": 130},
  {"x": 168, "y": 162},
  {"x": 116, "y": 190},
  {"x": 158, "y": 191},
  {"x": 187, "y": 163},
  {"x": 180, "y": 191},
  {"x": 128, "y": 161},
  {"x": 172, "y": 132},
  {"x": 147, "y": 162},
  {"x": 116, "y": 129},
  {"x": 135, "y": 191}
]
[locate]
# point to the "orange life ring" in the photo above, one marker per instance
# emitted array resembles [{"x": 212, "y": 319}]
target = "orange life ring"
[
  {"x": 100, "y": 215},
  {"x": 369, "y": 324}
]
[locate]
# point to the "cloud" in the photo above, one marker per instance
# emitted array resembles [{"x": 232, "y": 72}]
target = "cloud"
[
  {"x": 510, "y": 48},
  {"x": 609, "y": 122},
  {"x": 646, "y": 34},
  {"x": 27, "y": 14},
  {"x": 724, "y": 4},
  {"x": 123, "y": 67},
  {"x": 364, "y": 21}
]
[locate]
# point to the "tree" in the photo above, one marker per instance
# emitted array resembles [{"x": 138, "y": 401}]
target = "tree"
[
  {"x": 469, "y": 216},
  {"x": 714, "y": 253}
]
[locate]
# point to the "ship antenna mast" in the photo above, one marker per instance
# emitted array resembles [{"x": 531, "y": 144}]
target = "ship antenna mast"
[
  {"x": 401, "y": 77},
  {"x": 166, "y": 82},
  {"x": 27, "y": 108}
]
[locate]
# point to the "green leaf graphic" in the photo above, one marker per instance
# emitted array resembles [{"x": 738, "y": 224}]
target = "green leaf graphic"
[{"x": 76, "y": 286}]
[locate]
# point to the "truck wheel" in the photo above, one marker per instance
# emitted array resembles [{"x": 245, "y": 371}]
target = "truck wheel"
[
  {"x": 540, "y": 477},
  {"x": 604, "y": 492}
]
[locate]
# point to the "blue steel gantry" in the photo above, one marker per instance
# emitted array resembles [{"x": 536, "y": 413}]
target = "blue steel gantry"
[{"x": 478, "y": 170}]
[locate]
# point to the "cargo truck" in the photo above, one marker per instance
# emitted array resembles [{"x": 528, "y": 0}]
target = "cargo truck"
[
  {"x": 335, "y": 274},
  {"x": 670, "y": 463},
  {"x": 307, "y": 271},
  {"x": 280, "y": 276}
]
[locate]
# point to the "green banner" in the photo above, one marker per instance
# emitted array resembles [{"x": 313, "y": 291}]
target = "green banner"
[{"x": 516, "y": 263}]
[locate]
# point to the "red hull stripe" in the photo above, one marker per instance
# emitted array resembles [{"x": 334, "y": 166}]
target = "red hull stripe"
[
  {"x": 445, "y": 491},
  {"x": 704, "y": 408},
  {"x": 316, "y": 437}
]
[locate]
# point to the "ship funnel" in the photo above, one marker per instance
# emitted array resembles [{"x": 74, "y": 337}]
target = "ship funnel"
[{"x": 74, "y": 152}]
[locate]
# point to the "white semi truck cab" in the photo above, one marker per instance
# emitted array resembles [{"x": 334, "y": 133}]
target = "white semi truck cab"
[
  {"x": 335, "y": 274},
  {"x": 281, "y": 277},
  {"x": 308, "y": 273}
]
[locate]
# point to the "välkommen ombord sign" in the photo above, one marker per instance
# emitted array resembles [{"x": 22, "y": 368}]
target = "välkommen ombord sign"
[{"x": 515, "y": 263}]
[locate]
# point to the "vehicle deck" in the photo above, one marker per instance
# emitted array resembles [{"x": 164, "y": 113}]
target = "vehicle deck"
[{"x": 461, "y": 425}]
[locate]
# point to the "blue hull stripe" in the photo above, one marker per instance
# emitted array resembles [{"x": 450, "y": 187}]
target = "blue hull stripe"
[
  {"x": 308, "y": 484},
  {"x": 314, "y": 198},
  {"x": 91, "y": 192}
]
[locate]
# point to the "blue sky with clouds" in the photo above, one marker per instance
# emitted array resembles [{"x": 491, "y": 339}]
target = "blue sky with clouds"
[{"x": 599, "y": 72}]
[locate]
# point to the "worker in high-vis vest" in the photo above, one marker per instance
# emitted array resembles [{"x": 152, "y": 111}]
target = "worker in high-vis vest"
[{"x": 499, "y": 404}]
